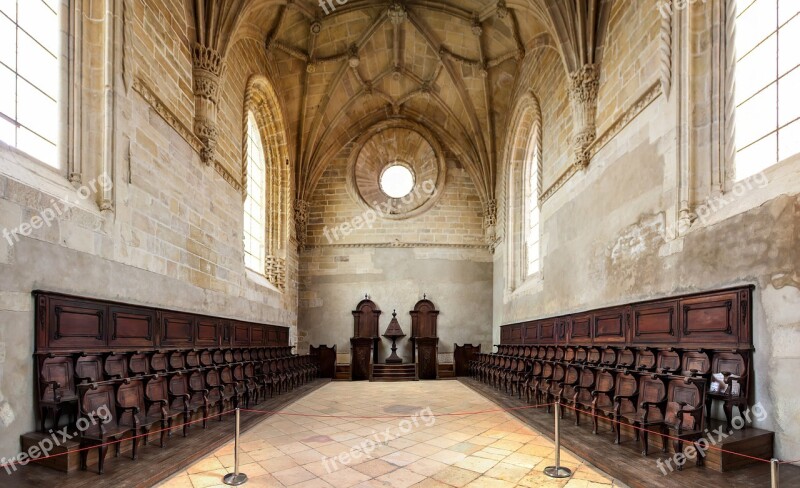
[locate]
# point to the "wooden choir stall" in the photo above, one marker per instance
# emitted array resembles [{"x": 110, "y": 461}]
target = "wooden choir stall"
[
  {"x": 424, "y": 339},
  {"x": 364, "y": 343}
]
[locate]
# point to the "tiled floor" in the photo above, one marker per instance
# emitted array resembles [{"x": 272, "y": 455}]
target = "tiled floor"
[{"x": 421, "y": 447}]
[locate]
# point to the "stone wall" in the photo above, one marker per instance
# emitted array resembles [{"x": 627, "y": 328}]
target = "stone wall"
[
  {"x": 173, "y": 237},
  {"x": 439, "y": 253}
]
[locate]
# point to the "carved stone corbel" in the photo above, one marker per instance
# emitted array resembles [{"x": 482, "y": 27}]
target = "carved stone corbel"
[
  {"x": 301, "y": 209},
  {"x": 583, "y": 88},
  {"x": 208, "y": 69}
]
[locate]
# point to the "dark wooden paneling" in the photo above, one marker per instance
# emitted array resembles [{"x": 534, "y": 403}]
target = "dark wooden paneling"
[
  {"x": 580, "y": 329},
  {"x": 547, "y": 331},
  {"x": 530, "y": 332},
  {"x": 208, "y": 332},
  {"x": 177, "y": 329},
  {"x": 241, "y": 334},
  {"x": 76, "y": 324},
  {"x": 711, "y": 318},
  {"x": 257, "y": 335},
  {"x": 131, "y": 327},
  {"x": 655, "y": 322},
  {"x": 516, "y": 334},
  {"x": 609, "y": 326}
]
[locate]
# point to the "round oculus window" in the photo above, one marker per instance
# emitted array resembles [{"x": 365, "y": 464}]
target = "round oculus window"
[{"x": 397, "y": 181}]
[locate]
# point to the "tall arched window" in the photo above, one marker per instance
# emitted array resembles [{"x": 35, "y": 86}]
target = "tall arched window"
[
  {"x": 30, "y": 77},
  {"x": 532, "y": 211},
  {"x": 525, "y": 166},
  {"x": 767, "y": 77},
  {"x": 255, "y": 203}
]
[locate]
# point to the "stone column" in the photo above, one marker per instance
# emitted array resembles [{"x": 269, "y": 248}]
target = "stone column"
[
  {"x": 583, "y": 87},
  {"x": 208, "y": 68}
]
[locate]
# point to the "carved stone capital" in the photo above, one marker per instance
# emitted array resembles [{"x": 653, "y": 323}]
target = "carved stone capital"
[
  {"x": 207, "y": 59},
  {"x": 502, "y": 10},
  {"x": 206, "y": 131},
  {"x": 583, "y": 88},
  {"x": 490, "y": 220},
  {"x": 397, "y": 13}
]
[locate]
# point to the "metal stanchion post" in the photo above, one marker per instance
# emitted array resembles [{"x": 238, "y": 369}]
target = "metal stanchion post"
[
  {"x": 773, "y": 471},
  {"x": 558, "y": 471},
  {"x": 236, "y": 478}
]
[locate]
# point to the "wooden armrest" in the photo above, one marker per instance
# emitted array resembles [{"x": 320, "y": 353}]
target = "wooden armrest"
[{"x": 618, "y": 397}]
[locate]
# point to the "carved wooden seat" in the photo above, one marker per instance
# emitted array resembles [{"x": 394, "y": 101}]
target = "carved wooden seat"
[
  {"x": 602, "y": 397},
  {"x": 159, "y": 402},
  {"x": 668, "y": 361},
  {"x": 543, "y": 385},
  {"x": 246, "y": 389},
  {"x": 232, "y": 390},
  {"x": 56, "y": 389},
  {"x": 518, "y": 376},
  {"x": 100, "y": 400},
  {"x": 684, "y": 417},
  {"x": 571, "y": 380},
  {"x": 532, "y": 380},
  {"x": 625, "y": 359},
  {"x": 580, "y": 355},
  {"x": 734, "y": 389},
  {"x": 593, "y": 356},
  {"x": 624, "y": 398},
  {"x": 695, "y": 363},
  {"x": 646, "y": 411},
  {"x": 583, "y": 398},
  {"x": 555, "y": 384},
  {"x": 189, "y": 393},
  {"x": 608, "y": 357},
  {"x": 645, "y": 359},
  {"x": 115, "y": 366},
  {"x": 137, "y": 416},
  {"x": 138, "y": 364},
  {"x": 216, "y": 394},
  {"x": 89, "y": 368}
]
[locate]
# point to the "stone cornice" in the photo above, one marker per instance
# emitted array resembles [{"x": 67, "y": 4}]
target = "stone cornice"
[
  {"x": 615, "y": 128},
  {"x": 397, "y": 244}
]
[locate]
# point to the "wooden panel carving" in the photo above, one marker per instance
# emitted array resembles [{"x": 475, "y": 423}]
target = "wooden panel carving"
[
  {"x": 656, "y": 322},
  {"x": 131, "y": 327},
  {"x": 580, "y": 329},
  {"x": 208, "y": 332},
  {"x": 530, "y": 332},
  {"x": 712, "y": 318},
  {"x": 241, "y": 334},
  {"x": 609, "y": 326},
  {"x": 177, "y": 329},
  {"x": 76, "y": 324}
]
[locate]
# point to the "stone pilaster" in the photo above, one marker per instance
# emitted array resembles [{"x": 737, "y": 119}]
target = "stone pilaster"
[
  {"x": 583, "y": 90},
  {"x": 207, "y": 69}
]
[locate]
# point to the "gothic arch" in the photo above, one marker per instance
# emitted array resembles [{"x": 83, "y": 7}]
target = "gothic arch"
[{"x": 261, "y": 99}]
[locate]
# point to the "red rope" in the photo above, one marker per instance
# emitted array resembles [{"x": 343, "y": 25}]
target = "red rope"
[
  {"x": 708, "y": 446},
  {"x": 476, "y": 412}
]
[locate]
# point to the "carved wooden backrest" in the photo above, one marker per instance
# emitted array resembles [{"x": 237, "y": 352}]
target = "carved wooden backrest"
[
  {"x": 550, "y": 354},
  {"x": 218, "y": 356},
  {"x": 156, "y": 389},
  {"x": 541, "y": 352},
  {"x": 159, "y": 362},
  {"x": 569, "y": 354},
  {"x": 652, "y": 389},
  {"x": 668, "y": 361},
  {"x": 604, "y": 381},
  {"x": 139, "y": 364},
  {"x": 116, "y": 366},
  {"x": 102, "y": 399},
  {"x": 580, "y": 355},
  {"x": 626, "y": 384},
  {"x": 559, "y": 354},
  {"x": 213, "y": 384},
  {"x": 527, "y": 352},
  {"x": 197, "y": 382},
  {"x": 365, "y": 319},
  {"x": 682, "y": 394},
  {"x": 625, "y": 358},
  {"x": 645, "y": 360},
  {"x": 587, "y": 379},
  {"x": 424, "y": 319},
  {"x": 206, "y": 359},
  {"x": 238, "y": 355},
  {"x": 572, "y": 377},
  {"x": 695, "y": 363},
  {"x": 608, "y": 356},
  {"x": 57, "y": 369},
  {"x": 130, "y": 394},
  {"x": 89, "y": 368},
  {"x": 593, "y": 356},
  {"x": 732, "y": 363}
]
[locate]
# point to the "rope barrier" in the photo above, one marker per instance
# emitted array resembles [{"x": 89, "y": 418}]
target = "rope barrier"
[
  {"x": 661, "y": 434},
  {"x": 266, "y": 412}
]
